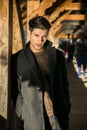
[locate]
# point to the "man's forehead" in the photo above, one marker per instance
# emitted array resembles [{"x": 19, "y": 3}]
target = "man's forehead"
[{"x": 39, "y": 31}]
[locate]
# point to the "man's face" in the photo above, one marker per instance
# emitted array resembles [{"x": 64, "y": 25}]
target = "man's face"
[{"x": 38, "y": 38}]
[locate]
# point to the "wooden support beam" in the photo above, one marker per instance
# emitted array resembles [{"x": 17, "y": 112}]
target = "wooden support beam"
[
  {"x": 5, "y": 53},
  {"x": 74, "y": 22},
  {"x": 75, "y": 6},
  {"x": 37, "y": 8},
  {"x": 71, "y": 6},
  {"x": 59, "y": 10},
  {"x": 58, "y": 21},
  {"x": 4, "y": 16},
  {"x": 17, "y": 40},
  {"x": 76, "y": 17}
]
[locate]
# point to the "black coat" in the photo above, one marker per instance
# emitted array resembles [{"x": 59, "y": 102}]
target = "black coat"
[{"x": 27, "y": 93}]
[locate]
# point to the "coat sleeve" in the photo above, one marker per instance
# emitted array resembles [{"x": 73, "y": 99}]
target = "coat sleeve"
[
  {"x": 14, "y": 84},
  {"x": 16, "y": 95}
]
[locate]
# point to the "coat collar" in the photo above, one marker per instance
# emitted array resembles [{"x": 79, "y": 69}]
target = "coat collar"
[{"x": 51, "y": 56}]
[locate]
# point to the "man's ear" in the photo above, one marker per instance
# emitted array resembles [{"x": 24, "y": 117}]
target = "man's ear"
[{"x": 29, "y": 34}]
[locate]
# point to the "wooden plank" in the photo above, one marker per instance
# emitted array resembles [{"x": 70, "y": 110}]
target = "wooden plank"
[
  {"x": 37, "y": 8},
  {"x": 76, "y": 17},
  {"x": 3, "y": 57},
  {"x": 17, "y": 40},
  {"x": 60, "y": 9},
  {"x": 74, "y": 22},
  {"x": 5, "y": 53},
  {"x": 75, "y": 6},
  {"x": 58, "y": 21}
]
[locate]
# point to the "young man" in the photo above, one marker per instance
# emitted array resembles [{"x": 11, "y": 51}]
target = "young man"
[{"x": 40, "y": 89}]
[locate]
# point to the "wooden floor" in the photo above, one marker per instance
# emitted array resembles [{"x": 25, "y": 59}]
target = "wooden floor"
[{"x": 78, "y": 94}]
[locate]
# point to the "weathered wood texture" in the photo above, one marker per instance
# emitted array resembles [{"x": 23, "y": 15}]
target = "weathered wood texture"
[
  {"x": 3, "y": 57},
  {"x": 17, "y": 40},
  {"x": 37, "y": 8},
  {"x": 3, "y": 62}
]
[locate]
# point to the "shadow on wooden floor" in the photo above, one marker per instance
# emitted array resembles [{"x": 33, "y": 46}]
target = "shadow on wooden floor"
[{"x": 78, "y": 94}]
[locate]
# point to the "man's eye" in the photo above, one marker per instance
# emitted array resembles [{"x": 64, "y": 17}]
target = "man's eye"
[{"x": 36, "y": 35}]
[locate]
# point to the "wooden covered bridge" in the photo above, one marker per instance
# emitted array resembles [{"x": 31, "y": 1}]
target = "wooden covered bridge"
[{"x": 68, "y": 18}]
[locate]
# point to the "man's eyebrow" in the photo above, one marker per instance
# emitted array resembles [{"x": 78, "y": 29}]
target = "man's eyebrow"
[{"x": 38, "y": 34}]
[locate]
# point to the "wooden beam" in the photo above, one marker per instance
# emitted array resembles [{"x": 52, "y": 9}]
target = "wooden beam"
[
  {"x": 5, "y": 56},
  {"x": 59, "y": 10},
  {"x": 76, "y": 17},
  {"x": 37, "y": 8},
  {"x": 71, "y": 6},
  {"x": 58, "y": 21},
  {"x": 66, "y": 16},
  {"x": 4, "y": 16},
  {"x": 75, "y": 6},
  {"x": 74, "y": 22},
  {"x": 17, "y": 40}
]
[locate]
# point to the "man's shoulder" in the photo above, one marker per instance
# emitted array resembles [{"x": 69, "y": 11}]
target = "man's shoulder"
[
  {"x": 58, "y": 50},
  {"x": 18, "y": 55},
  {"x": 18, "y": 52}
]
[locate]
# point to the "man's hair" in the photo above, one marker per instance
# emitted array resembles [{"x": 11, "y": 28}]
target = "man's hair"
[{"x": 39, "y": 22}]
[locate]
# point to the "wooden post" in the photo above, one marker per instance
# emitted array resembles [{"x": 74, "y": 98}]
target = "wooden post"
[{"x": 5, "y": 51}]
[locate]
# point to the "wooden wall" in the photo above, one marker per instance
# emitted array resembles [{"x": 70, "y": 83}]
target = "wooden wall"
[
  {"x": 4, "y": 13},
  {"x": 17, "y": 40},
  {"x": 5, "y": 56}
]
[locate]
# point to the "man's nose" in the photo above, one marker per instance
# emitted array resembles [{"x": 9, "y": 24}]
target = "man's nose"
[{"x": 41, "y": 39}]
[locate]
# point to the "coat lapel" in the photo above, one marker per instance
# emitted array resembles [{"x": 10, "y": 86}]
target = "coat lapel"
[{"x": 33, "y": 65}]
